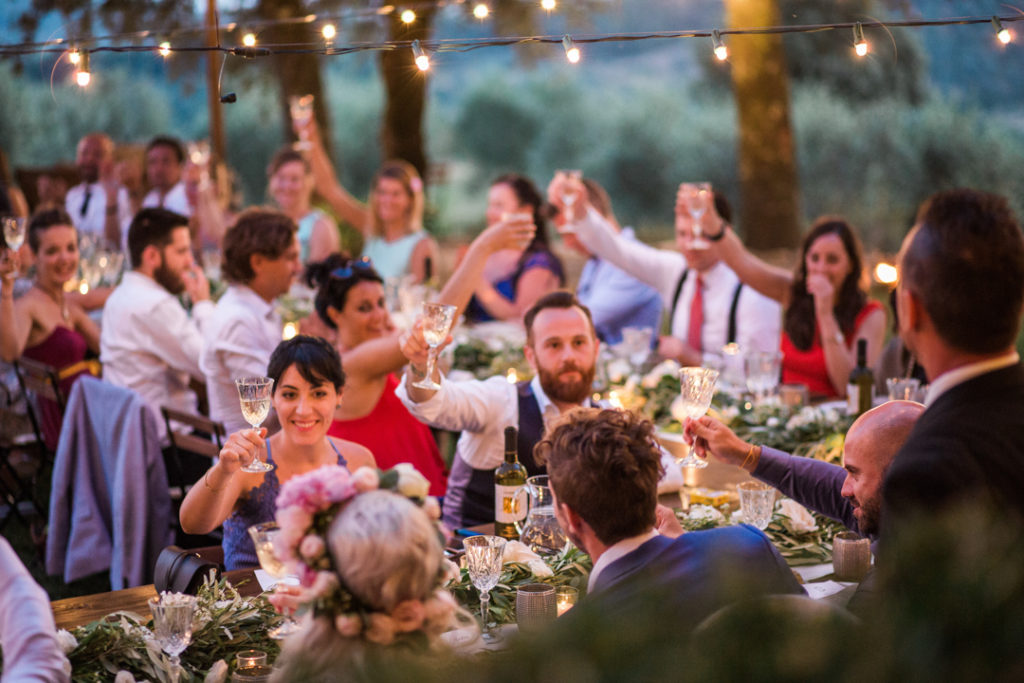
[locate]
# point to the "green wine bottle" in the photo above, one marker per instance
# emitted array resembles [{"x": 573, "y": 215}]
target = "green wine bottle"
[
  {"x": 860, "y": 389},
  {"x": 509, "y": 478}
]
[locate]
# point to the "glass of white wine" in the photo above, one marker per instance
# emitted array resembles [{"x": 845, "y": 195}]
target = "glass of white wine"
[
  {"x": 172, "y": 625},
  {"x": 14, "y": 232},
  {"x": 696, "y": 203},
  {"x": 696, "y": 386},
  {"x": 301, "y": 110},
  {"x": 263, "y": 536},
  {"x": 437, "y": 321},
  {"x": 572, "y": 177},
  {"x": 254, "y": 394}
]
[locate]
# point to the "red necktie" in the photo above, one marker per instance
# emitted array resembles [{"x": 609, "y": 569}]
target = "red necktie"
[{"x": 696, "y": 316}]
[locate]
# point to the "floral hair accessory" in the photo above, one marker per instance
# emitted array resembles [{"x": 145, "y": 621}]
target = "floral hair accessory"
[
  {"x": 416, "y": 184},
  {"x": 306, "y": 507}
]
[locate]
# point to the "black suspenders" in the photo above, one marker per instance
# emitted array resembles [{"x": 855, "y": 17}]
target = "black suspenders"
[{"x": 731, "y": 338}]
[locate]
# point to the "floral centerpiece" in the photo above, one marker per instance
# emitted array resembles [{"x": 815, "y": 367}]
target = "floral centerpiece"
[{"x": 488, "y": 350}]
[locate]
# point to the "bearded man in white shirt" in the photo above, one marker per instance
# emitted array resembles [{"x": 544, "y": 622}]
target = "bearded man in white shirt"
[
  {"x": 261, "y": 261},
  {"x": 561, "y": 347},
  {"x": 148, "y": 341}
]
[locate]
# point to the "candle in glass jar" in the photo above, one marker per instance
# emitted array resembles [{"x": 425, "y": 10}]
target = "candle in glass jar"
[{"x": 565, "y": 598}]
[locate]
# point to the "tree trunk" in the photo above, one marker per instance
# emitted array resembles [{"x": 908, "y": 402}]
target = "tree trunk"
[
  {"x": 405, "y": 92},
  {"x": 767, "y": 162}
]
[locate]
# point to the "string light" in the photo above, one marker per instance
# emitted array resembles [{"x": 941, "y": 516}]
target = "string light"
[
  {"x": 481, "y": 11},
  {"x": 422, "y": 59},
  {"x": 721, "y": 51},
  {"x": 572, "y": 53},
  {"x": 165, "y": 49},
  {"x": 74, "y": 56},
  {"x": 329, "y": 31},
  {"x": 83, "y": 77},
  {"x": 860, "y": 45},
  {"x": 1002, "y": 35},
  {"x": 408, "y": 16},
  {"x": 886, "y": 273},
  {"x": 249, "y": 39},
  {"x": 547, "y": 4}
]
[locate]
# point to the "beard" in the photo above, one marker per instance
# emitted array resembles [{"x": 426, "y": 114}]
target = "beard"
[
  {"x": 870, "y": 513},
  {"x": 567, "y": 391},
  {"x": 168, "y": 279}
]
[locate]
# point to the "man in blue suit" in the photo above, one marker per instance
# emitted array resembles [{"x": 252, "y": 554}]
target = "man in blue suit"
[{"x": 604, "y": 467}]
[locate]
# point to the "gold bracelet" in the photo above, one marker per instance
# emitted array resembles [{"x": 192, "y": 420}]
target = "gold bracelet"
[
  {"x": 206, "y": 482},
  {"x": 750, "y": 457}
]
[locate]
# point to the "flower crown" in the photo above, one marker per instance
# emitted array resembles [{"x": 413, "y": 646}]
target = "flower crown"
[{"x": 306, "y": 507}]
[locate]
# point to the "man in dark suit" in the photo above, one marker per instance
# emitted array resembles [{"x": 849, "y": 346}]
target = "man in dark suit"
[
  {"x": 604, "y": 467},
  {"x": 960, "y": 298}
]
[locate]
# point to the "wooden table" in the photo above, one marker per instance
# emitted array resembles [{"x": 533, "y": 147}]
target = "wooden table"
[{"x": 71, "y": 612}]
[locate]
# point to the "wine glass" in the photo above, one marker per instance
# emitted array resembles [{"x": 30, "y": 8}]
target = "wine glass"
[
  {"x": 263, "y": 536},
  {"x": 484, "y": 561},
  {"x": 763, "y": 368},
  {"x": 172, "y": 625},
  {"x": 254, "y": 395},
  {"x": 572, "y": 177},
  {"x": 636, "y": 343},
  {"x": 696, "y": 204},
  {"x": 696, "y": 386},
  {"x": 437, "y": 321},
  {"x": 14, "y": 232},
  {"x": 301, "y": 110}
]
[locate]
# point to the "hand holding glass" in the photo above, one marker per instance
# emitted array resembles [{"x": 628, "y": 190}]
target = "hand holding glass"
[
  {"x": 263, "y": 536},
  {"x": 172, "y": 624},
  {"x": 301, "y": 110},
  {"x": 14, "y": 232},
  {"x": 254, "y": 394},
  {"x": 571, "y": 180},
  {"x": 437, "y": 322},
  {"x": 696, "y": 203},
  {"x": 484, "y": 560},
  {"x": 696, "y": 386}
]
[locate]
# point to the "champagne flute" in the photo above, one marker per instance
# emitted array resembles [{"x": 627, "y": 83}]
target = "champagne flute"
[
  {"x": 572, "y": 176},
  {"x": 484, "y": 560},
  {"x": 437, "y": 321},
  {"x": 301, "y": 110},
  {"x": 696, "y": 203},
  {"x": 263, "y": 536},
  {"x": 172, "y": 625},
  {"x": 254, "y": 395},
  {"x": 696, "y": 386},
  {"x": 14, "y": 232}
]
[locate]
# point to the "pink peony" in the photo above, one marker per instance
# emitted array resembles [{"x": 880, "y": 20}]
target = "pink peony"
[
  {"x": 348, "y": 625},
  {"x": 408, "y": 615},
  {"x": 365, "y": 479},
  {"x": 312, "y": 547},
  {"x": 293, "y": 521},
  {"x": 381, "y": 629}
]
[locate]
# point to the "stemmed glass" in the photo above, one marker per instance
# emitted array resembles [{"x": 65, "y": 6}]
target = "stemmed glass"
[
  {"x": 263, "y": 536},
  {"x": 484, "y": 561},
  {"x": 437, "y": 321},
  {"x": 572, "y": 177},
  {"x": 763, "y": 368},
  {"x": 301, "y": 110},
  {"x": 172, "y": 625},
  {"x": 696, "y": 386},
  {"x": 14, "y": 232},
  {"x": 636, "y": 342},
  {"x": 254, "y": 395},
  {"x": 696, "y": 204}
]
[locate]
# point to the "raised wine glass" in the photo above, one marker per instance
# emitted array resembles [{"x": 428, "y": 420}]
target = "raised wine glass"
[
  {"x": 696, "y": 386},
  {"x": 484, "y": 562},
  {"x": 254, "y": 395},
  {"x": 572, "y": 176},
  {"x": 14, "y": 232},
  {"x": 172, "y": 625},
  {"x": 301, "y": 110},
  {"x": 696, "y": 204},
  {"x": 437, "y": 321},
  {"x": 263, "y": 536}
]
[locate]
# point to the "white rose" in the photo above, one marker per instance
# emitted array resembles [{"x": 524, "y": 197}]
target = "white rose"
[
  {"x": 666, "y": 367},
  {"x": 701, "y": 512},
  {"x": 67, "y": 641},
  {"x": 618, "y": 370},
  {"x": 772, "y": 422},
  {"x": 517, "y": 551},
  {"x": 539, "y": 568},
  {"x": 218, "y": 673},
  {"x": 124, "y": 677},
  {"x": 411, "y": 483},
  {"x": 800, "y": 518}
]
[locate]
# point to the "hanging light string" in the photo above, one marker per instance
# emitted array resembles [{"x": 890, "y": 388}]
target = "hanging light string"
[{"x": 95, "y": 44}]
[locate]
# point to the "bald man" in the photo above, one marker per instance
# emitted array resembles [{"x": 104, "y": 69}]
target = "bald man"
[
  {"x": 851, "y": 494},
  {"x": 99, "y": 203}
]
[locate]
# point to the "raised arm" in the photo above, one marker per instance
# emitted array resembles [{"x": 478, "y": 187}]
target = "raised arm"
[
  {"x": 15, "y": 318},
  {"x": 346, "y": 207},
  {"x": 213, "y": 497},
  {"x": 324, "y": 241}
]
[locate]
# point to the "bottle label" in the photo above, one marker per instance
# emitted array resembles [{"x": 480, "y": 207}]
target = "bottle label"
[
  {"x": 852, "y": 399},
  {"x": 509, "y": 504}
]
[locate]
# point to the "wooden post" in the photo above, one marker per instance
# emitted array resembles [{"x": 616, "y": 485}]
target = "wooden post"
[{"x": 218, "y": 149}]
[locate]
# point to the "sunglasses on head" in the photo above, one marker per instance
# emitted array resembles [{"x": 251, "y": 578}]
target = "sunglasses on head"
[{"x": 364, "y": 264}]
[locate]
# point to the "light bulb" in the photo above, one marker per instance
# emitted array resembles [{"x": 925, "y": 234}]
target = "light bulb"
[
  {"x": 572, "y": 53},
  {"x": 1002, "y": 35},
  {"x": 547, "y": 4},
  {"x": 329, "y": 31},
  {"x": 249, "y": 39},
  {"x": 420, "y": 55},
  {"x": 74, "y": 57},
  {"x": 721, "y": 51},
  {"x": 82, "y": 76},
  {"x": 408, "y": 16},
  {"x": 165, "y": 49},
  {"x": 481, "y": 11},
  {"x": 860, "y": 44}
]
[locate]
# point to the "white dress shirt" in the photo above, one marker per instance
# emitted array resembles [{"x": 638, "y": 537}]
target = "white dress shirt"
[
  {"x": 480, "y": 409},
  {"x": 758, "y": 318},
  {"x": 150, "y": 344},
  {"x": 616, "y": 551},
  {"x": 242, "y": 333},
  {"x": 175, "y": 200},
  {"x": 950, "y": 379},
  {"x": 95, "y": 218}
]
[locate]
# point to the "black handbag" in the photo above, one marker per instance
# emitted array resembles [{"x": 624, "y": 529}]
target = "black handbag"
[{"x": 182, "y": 571}]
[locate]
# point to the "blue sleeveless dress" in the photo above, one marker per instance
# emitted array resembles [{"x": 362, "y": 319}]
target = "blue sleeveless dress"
[{"x": 239, "y": 552}]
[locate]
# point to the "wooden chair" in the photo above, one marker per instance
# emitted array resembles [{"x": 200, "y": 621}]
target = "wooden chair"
[
  {"x": 193, "y": 441},
  {"x": 43, "y": 381}
]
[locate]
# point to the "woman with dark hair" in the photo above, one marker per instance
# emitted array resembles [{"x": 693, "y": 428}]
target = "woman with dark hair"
[
  {"x": 308, "y": 380},
  {"x": 826, "y": 305},
  {"x": 291, "y": 187},
  {"x": 42, "y": 324},
  {"x": 514, "y": 279}
]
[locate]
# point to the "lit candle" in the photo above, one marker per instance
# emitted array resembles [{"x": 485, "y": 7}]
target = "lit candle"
[
  {"x": 565, "y": 598},
  {"x": 512, "y": 376},
  {"x": 289, "y": 331},
  {"x": 246, "y": 659}
]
